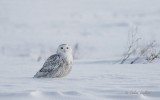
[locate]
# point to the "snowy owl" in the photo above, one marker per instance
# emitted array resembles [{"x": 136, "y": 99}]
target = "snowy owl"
[{"x": 57, "y": 65}]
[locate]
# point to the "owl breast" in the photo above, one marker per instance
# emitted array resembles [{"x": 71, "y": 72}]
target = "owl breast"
[{"x": 64, "y": 68}]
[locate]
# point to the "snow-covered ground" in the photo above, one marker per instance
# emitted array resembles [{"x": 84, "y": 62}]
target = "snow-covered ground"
[
  {"x": 101, "y": 81},
  {"x": 31, "y": 30}
]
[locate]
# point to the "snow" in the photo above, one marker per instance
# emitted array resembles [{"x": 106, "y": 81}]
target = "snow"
[
  {"x": 98, "y": 26},
  {"x": 31, "y": 30},
  {"x": 101, "y": 81}
]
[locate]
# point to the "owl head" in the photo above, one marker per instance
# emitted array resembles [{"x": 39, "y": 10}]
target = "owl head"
[{"x": 64, "y": 49}]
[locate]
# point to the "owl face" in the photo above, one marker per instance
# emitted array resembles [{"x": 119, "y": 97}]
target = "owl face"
[{"x": 64, "y": 49}]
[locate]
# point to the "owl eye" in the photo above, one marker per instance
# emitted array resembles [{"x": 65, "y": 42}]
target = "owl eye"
[
  {"x": 67, "y": 48},
  {"x": 61, "y": 47}
]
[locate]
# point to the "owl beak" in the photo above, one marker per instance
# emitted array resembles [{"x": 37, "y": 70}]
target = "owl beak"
[{"x": 65, "y": 51}]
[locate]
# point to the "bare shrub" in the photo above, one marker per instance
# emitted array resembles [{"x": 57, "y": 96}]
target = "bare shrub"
[
  {"x": 133, "y": 41},
  {"x": 144, "y": 52},
  {"x": 147, "y": 53},
  {"x": 153, "y": 53}
]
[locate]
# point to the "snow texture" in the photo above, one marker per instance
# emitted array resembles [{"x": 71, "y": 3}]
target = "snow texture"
[
  {"x": 31, "y": 30},
  {"x": 92, "y": 81}
]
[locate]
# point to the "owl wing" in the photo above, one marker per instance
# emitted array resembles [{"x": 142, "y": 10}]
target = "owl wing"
[{"x": 51, "y": 64}]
